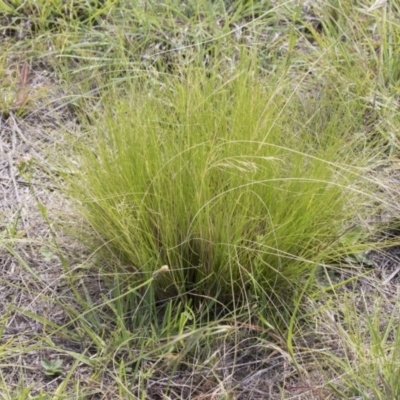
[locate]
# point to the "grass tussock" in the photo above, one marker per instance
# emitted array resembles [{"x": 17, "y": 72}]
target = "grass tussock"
[
  {"x": 238, "y": 191},
  {"x": 235, "y": 183}
]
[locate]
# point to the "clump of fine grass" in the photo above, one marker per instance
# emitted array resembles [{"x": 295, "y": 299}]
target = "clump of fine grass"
[
  {"x": 233, "y": 182},
  {"x": 353, "y": 52}
]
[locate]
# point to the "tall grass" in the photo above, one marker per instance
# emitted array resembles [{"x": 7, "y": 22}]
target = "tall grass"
[
  {"x": 241, "y": 179},
  {"x": 238, "y": 185}
]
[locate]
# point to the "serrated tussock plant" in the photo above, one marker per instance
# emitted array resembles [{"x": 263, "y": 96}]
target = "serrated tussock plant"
[{"x": 237, "y": 183}]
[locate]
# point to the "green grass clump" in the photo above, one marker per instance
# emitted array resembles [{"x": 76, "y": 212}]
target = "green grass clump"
[
  {"x": 224, "y": 185},
  {"x": 233, "y": 182}
]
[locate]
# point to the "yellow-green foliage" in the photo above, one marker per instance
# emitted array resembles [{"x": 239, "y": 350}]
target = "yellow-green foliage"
[{"x": 225, "y": 179}]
